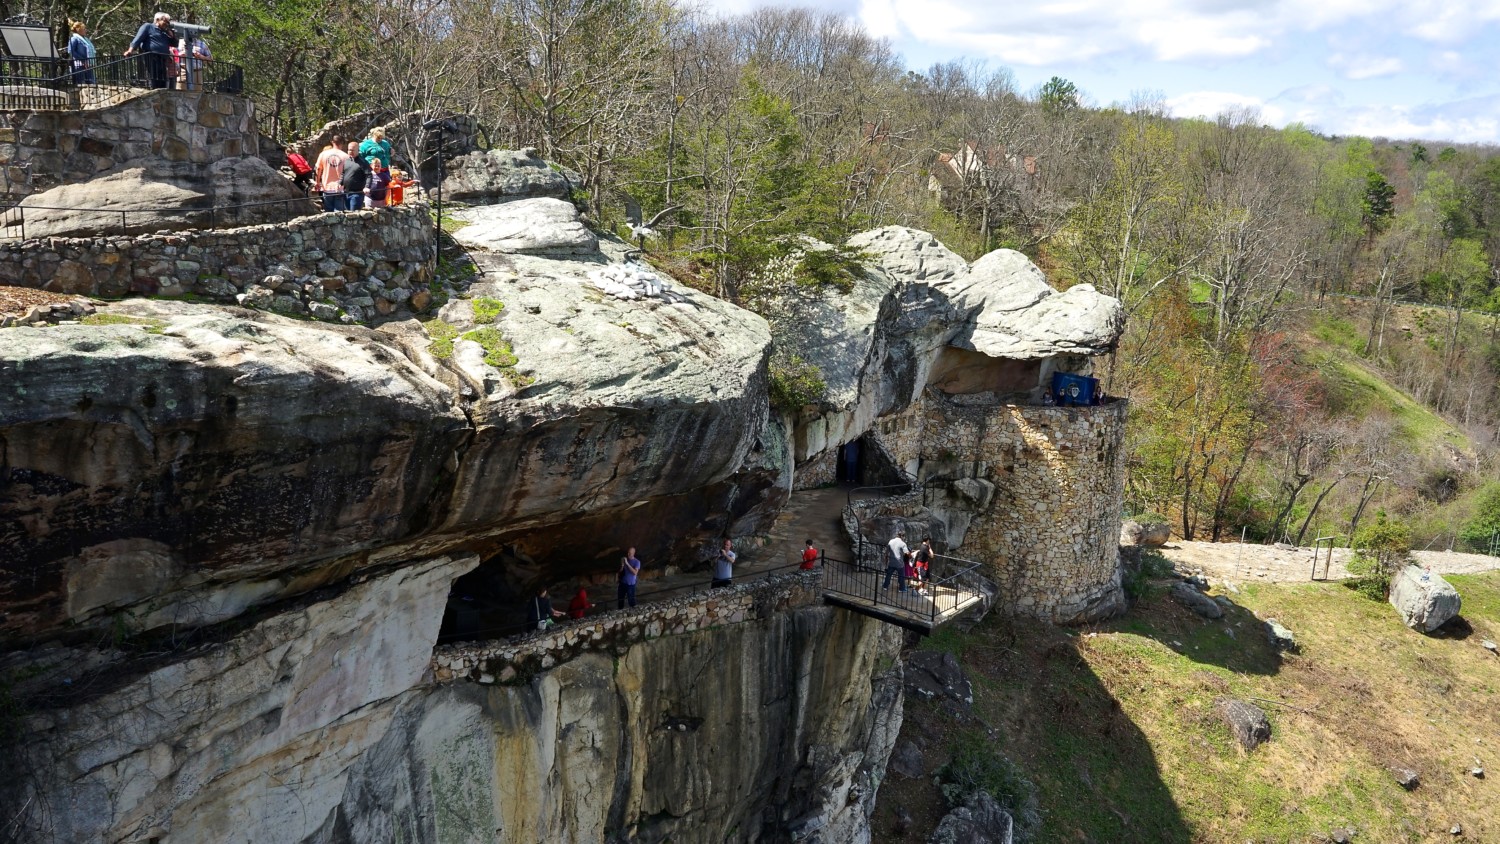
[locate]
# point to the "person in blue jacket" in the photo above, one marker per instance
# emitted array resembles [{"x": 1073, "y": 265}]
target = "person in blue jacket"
[
  {"x": 154, "y": 42},
  {"x": 81, "y": 54}
]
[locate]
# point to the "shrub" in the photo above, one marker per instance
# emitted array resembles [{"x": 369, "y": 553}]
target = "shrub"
[
  {"x": 794, "y": 383},
  {"x": 1381, "y": 548},
  {"x": 1480, "y": 530},
  {"x": 974, "y": 765}
]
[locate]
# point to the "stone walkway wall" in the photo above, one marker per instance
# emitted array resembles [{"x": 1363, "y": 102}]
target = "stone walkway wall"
[
  {"x": 350, "y": 266},
  {"x": 1046, "y": 510},
  {"x": 43, "y": 149},
  {"x": 521, "y": 657}
]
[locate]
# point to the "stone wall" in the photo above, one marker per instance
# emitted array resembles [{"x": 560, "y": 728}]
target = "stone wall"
[
  {"x": 360, "y": 264},
  {"x": 818, "y": 470},
  {"x": 524, "y": 656},
  {"x": 1038, "y": 491},
  {"x": 43, "y": 149}
]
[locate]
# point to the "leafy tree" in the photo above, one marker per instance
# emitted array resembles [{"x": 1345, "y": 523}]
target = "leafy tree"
[
  {"x": 1481, "y": 529},
  {"x": 1059, "y": 95},
  {"x": 1383, "y": 546},
  {"x": 1379, "y": 203}
]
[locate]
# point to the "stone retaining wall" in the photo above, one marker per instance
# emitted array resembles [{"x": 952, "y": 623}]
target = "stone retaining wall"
[
  {"x": 1043, "y": 486},
  {"x": 350, "y": 266},
  {"x": 43, "y": 149},
  {"x": 521, "y": 657}
]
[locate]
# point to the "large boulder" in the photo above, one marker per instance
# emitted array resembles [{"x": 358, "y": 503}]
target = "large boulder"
[
  {"x": 1246, "y": 721},
  {"x": 158, "y": 195},
  {"x": 501, "y": 175},
  {"x": 980, "y": 820},
  {"x": 936, "y": 674},
  {"x": 1425, "y": 600},
  {"x": 1196, "y": 601},
  {"x": 540, "y": 225}
]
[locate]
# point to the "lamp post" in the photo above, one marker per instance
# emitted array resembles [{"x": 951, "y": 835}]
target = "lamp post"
[{"x": 437, "y": 124}]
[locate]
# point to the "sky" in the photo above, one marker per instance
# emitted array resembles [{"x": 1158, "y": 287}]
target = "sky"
[{"x": 1416, "y": 69}]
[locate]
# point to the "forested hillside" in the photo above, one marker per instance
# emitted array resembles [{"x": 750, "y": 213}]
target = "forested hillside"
[{"x": 1268, "y": 400}]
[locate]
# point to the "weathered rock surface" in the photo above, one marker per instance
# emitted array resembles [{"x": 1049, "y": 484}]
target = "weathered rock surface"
[
  {"x": 979, "y": 821},
  {"x": 1425, "y": 600},
  {"x": 1280, "y": 636},
  {"x": 1196, "y": 601},
  {"x": 1150, "y": 535},
  {"x": 498, "y": 175},
  {"x": 1246, "y": 722},
  {"x": 527, "y": 225},
  {"x": 936, "y": 674},
  {"x": 155, "y": 195},
  {"x": 236, "y": 457},
  {"x": 771, "y": 726}
]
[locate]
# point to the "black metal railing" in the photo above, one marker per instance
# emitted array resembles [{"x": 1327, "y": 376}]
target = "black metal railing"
[
  {"x": 605, "y": 605},
  {"x": 947, "y": 587},
  {"x": 100, "y": 222},
  {"x": 54, "y": 84}
]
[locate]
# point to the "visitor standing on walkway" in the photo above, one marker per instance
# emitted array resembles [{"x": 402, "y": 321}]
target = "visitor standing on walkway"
[
  {"x": 630, "y": 571},
  {"x": 540, "y": 614},
  {"x": 923, "y": 563},
  {"x": 330, "y": 170},
  {"x": 895, "y": 561},
  {"x": 356, "y": 177},
  {"x": 809, "y": 556},
  {"x": 579, "y": 606},
  {"x": 380, "y": 184},
  {"x": 81, "y": 54},
  {"x": 724, "y": 566},
  {"x": 194, "y": 54},
  {"x": 154, "y": 42},
  {"x": 376, "y": 146}
]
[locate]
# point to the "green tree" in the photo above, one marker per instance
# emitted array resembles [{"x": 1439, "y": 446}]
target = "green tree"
[
  {"x": 1059, "y": 95},
  {"x": 1383, "y": 546},
  {"x": 1379, "y": 202},
  {"x": 1481, "y": 530}
]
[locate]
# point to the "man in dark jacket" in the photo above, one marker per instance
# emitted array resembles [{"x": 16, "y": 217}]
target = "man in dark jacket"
[
  {"x": 154, "y": 42},
  {"x": 356, "y": 177}
]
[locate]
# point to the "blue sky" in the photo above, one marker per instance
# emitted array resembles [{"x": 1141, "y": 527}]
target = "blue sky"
[{"x": 1412, "y": 69}]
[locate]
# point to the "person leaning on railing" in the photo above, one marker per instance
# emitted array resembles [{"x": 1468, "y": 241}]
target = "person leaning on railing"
[
  {"x": 81, "y": 54},
  {"x": 154, "y": 42}
]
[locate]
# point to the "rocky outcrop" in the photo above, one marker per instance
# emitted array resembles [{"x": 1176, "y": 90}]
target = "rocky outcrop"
[
  {"x": 318, "y": 724},
  {"x": 1196, "y": 601},
  {"x": 1424, "y": 600},
  {"x": 1246, "y": 721},
  {"x": 489, "y": 176},
  {"x": 980, "y": 820},
  {"x": 154, "y": 194},
  {"x": 539, "y": 225}
]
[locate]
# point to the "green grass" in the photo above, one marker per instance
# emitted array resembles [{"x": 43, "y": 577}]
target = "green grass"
[
  {"x": 497, "y": 352},
  {"x": 1116, "y": 725},
  {"x": 486, "y": 309},
  {"x": 1359, "y": 390},
  {"x": 442, "y": 335},
  {"x": 152, "y": 326},
  {"x": 1340, "y": 332}
]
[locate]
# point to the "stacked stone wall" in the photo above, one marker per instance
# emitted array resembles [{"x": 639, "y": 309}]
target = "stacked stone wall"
[
  {"x": 356, "y": 265},
  {"x": 522, "y": 657},
  {"x": 817, "y": 471},
  {"x": 1049, "y": 531},
  {"x": 40, "y": 150}
]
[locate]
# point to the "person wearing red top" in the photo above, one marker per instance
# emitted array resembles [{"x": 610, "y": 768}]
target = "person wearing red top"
[
  {"x": 809, "y": 556},
  {"x": 580, "y": 604}
]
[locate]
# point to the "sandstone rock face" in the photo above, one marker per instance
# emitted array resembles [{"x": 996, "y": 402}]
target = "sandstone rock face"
[
  {"x": 154, "y": 194},
  {"x": 498, "y": 175},
  {"x": 194, "y": 750},
  {"x": 1425, "y": 600},
  {"x": 236, "y": 457},
  {"x": 527, "y": 225},
  {"x": 765, "y": 727}
]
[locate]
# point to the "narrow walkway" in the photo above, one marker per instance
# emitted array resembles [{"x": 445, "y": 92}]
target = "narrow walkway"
[{"x": 816, "y": 514}]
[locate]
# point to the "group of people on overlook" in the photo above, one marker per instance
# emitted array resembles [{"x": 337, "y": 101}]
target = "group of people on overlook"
[
  {"x": 349, "y": 173},
  {"x": 168, "y": 60}
]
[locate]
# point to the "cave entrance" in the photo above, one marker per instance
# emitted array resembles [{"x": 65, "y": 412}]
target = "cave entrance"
[{"x": 851, "y": 462}]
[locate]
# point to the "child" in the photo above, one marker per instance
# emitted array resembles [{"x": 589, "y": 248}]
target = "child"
[
  {"x": 380, "y": 183},
  {"x": 302, "y": 172},
  {"x": 579, "y": 606},
  {"x": 396, "y": 194},
  {"x": 809, "y": 556}
]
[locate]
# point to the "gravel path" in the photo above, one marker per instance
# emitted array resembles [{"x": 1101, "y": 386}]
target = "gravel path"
[{"x": 1269, "y": 563}]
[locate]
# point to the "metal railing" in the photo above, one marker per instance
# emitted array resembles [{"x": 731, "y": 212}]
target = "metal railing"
[
  {"x": 606, "y": 605},
  {"x": 118, "y": 220},
  {"x": 34, "y": 84},
  {"x": 944, "y": 591}
]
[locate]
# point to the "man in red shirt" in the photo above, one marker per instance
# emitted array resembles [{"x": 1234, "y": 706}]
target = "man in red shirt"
[{"x": 809, "y": 556}]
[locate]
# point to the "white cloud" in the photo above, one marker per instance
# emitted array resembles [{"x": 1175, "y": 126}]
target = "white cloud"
[
  {"x": 1365, "y": 67},
  {"x": 1210, "y": 104}
]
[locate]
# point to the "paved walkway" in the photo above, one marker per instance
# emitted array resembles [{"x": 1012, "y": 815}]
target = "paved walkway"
[{"x": 1269, "y": 563}]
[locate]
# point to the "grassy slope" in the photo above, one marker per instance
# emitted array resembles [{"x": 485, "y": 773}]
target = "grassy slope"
[
  {"x": 1116, "y": 725},
  {"x": 1358, "y": 389}
]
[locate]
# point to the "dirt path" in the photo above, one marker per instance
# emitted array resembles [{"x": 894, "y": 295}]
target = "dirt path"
[{"x": 1270, "y": 563}]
